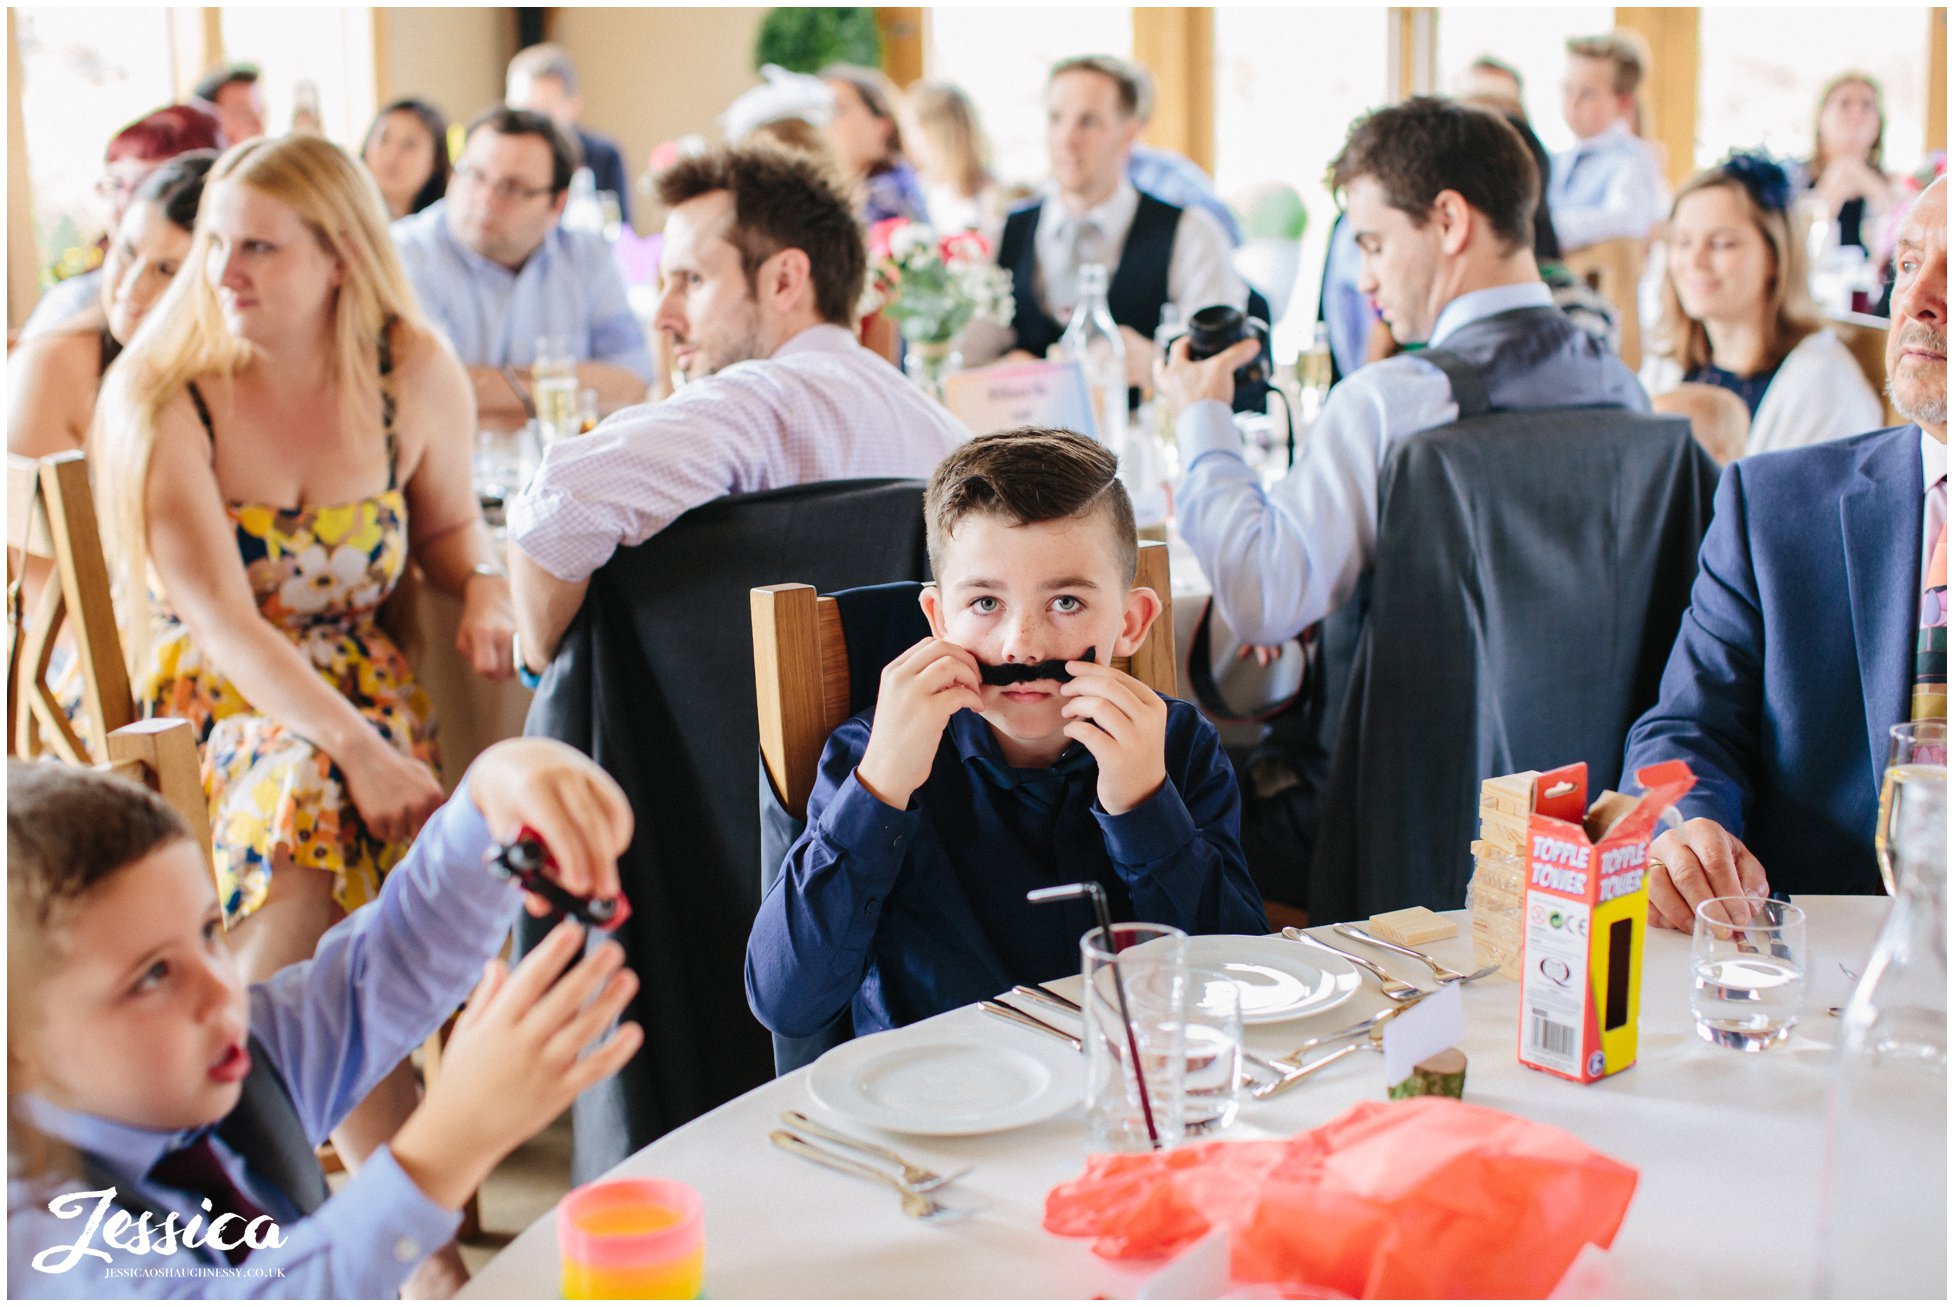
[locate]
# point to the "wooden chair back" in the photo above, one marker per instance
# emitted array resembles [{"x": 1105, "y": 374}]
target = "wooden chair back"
[
  {"x": 161, "y": 752},
  {"x": 51, "y": 518},
  {"x": 800, "y": 671},
  {"x": 1614, "y": 268},
  {"x": 1717, "y": 418},
  {"x": 1865, "y": 336}
]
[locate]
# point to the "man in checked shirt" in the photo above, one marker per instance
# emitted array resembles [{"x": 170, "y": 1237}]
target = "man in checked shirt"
[{"x": 763, "y": 265}]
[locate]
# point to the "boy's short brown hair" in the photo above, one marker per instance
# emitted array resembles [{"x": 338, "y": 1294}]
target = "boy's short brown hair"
[
  {"x": 1622, "y": 50},
  {"x": 1028, "y": 475},
  {"x": 782, "y": 200},
  {"x": 69, "y": 829}
]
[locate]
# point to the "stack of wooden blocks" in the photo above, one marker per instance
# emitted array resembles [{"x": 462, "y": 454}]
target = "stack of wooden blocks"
[{"x": 1497, "y": 894}]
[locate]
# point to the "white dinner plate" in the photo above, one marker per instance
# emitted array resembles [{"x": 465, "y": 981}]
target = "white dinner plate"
[
  {"x": 1280, "y": 980},
  {"x": 925, "y": 1081}
]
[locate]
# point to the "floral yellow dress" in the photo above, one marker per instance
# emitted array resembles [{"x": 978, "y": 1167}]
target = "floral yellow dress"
[{"x": 320, "y": 574}]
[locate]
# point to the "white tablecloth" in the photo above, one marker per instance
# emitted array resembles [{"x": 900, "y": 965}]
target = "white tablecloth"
[{"x": 1729, "y": 1147}]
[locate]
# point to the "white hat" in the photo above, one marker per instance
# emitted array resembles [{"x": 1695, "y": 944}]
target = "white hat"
[{"x": 781, "y": 95}]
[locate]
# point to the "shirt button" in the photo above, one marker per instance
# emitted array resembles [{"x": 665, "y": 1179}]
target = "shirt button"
[{"x": 407, "y": 1250}]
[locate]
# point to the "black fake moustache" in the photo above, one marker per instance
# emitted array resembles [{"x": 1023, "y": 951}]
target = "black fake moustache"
[{"x": 1052, "y": 669}]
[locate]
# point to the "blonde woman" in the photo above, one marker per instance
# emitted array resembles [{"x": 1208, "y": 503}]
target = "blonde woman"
[
  {"x": 283, "y": 433},
  {"x": 1845, "y": 173},
  {"x": 953, "y": 159},
  {"x": 1736, "y": 314}
]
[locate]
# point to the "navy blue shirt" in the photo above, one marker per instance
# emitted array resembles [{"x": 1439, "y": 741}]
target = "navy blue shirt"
[
  {"x": 1749, "y": 389},
  {"x": 907, "y": 913}
]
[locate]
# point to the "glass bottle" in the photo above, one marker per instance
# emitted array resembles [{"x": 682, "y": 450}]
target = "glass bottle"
[
  {"x": 1884, "y": 1228},
  {"x": 555, "y": 390},
  {"x": 1092, "y": 337}
]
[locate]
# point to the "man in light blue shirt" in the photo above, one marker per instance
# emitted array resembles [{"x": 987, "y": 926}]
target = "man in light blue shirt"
[
  {"x": 1608, "y": 186},
  {"x": 496, "y": 271},
  {"x": 1440, "y": 199}
]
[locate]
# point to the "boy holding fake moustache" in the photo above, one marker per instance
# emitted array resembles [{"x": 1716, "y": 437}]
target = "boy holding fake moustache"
[
  {"x": 164, "y": 1114},
  {"x": 1004, "y": 753}
]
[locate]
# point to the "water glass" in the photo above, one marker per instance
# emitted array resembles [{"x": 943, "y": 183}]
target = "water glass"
[
  {"x": 1916, "y": 763},
  {"x": 500, "y": 470},
  {"x": 1211, "y": 1087},
  {"x": 1135, "y": 1072},
  {"x": 1748, "y": 961}
]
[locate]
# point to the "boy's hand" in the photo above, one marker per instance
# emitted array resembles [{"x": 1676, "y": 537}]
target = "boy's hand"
[
  {"x": 1123, "y": 724},
  {"x": 516, "y": 1060},
  {"x": 581, "y": 814},
  {"x": 921, "y": 691}
]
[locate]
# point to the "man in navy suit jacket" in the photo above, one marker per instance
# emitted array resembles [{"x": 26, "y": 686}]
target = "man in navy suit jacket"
[{"x": 1794, "y": 659}]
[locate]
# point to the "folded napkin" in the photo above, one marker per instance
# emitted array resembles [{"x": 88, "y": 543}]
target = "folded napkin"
[{"x": 1425, "y": 1198}]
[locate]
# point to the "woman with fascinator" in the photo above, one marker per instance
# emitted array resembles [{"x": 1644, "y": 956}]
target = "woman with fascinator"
[{"x": 1736, "y": 312}]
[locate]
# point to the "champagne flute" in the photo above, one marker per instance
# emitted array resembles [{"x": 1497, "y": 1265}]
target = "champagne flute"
[
  {"x": 1313, "y": 367},
  {"x": 1916, "y": 759}
]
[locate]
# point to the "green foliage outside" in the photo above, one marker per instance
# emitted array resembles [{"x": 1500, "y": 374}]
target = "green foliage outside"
[{"x": 808, "y": 40}]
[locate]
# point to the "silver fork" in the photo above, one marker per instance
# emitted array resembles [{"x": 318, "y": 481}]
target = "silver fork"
[
  {"x": 1293, "y": 1058},
  {"x": 1439, "y": 969},
  {"x": 1373, "y": 1041},
  {"x": 1393, "y": 988},
  {"x": 922, "y": 1206},
  {"x": 919, "y": 1178}
]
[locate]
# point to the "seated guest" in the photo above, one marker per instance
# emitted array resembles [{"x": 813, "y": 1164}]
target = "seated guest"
[
  {"x": 132, "y": 154},
  {"x": 1155, "y": 254},
  {"x": 1489, "y": 78},
  {"x": 1844, "y": 174},
  {"x": 406, "y": 150},
  {"x": 1736, "y": 313},
  {"x": 495, "y": 270},
  {"x": 867, "y": 142},
  {"x": 234, "y": 95},
  {"x": 141, "y": 1062},
  {"x": 1608, "y": 186},
  {"x": 1440, "y": 200},
  {"x": 272, "y": 449},
  {"x": 1812, "y": 630},
  {"x": 953, "y": 157},
  {"x": 54, "y": 376},
  {"x": 542, "y": 78},
  {"x": 937, "y": 809},
  {"x": 763, "y": 265},
  {"x": 1170, "y": 176}
]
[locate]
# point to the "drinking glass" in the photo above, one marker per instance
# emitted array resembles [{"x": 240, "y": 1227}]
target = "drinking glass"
[
  {"x": 1748, "y": 960},
  {"x": 1139, "y": 974},
  {"x": 1313, "y": 368},
  {"x": 500, "y": 471},
  {"x": 1211, "y": 1088},
  {"x": 1916, "y": 761}
]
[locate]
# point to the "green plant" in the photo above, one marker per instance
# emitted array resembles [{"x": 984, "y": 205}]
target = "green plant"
[{"x": 808, "y": 40}]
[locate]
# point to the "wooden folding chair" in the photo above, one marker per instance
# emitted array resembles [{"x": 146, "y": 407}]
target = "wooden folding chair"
[
  {"x": 51, "y": 519},
  {"x": 800, "y": 672},
  {"x": 1614, "y": 268},
  {"x": 1865, "y": 336}
]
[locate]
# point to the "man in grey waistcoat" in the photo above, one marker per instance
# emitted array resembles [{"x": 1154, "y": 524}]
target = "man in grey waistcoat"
[{"x": 1441, "y": 198}]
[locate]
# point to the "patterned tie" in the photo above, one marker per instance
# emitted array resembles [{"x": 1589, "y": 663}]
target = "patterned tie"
[
  {"x": 1930, "y": 652},
  {"x": 195, "y": 1169},
  {"x": 1083, "y": 243}
]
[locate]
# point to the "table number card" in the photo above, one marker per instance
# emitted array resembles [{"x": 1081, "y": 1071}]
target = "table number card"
[
  {"x": 1431, "y": 1026},
  {"x": 1020, "y": 395}
]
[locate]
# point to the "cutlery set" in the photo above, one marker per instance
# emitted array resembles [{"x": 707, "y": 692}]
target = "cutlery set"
[{"x": 917, "y": 1185}]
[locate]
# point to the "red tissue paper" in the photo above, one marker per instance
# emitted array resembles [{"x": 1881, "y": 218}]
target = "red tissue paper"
[{"x": 1424, "y": 1198}]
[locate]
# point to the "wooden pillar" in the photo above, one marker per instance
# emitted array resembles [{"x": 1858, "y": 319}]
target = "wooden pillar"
[
  {"x": 902, "y": 43},
  {"x": 1413, "y": 51},
  {"x": 196, "y": 46},
  {"x": 1937, "y": 78},
  {"x": 1669, "y": 84},
  {"x": 23, "y": 254},
  {"x": 1177, "y": 47}
]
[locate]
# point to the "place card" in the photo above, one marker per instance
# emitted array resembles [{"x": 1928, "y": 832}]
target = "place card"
[
  {"x": 1020, "y": 395},
  {"x": 1431, "y": 1026}
]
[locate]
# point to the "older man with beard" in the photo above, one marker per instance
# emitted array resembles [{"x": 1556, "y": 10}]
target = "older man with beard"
[
  {"x": 1818, "y": 621},
  {"x": 763, "y": 265}
]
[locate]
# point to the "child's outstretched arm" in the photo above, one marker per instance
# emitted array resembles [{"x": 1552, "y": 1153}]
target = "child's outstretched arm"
[
  {"x": 386, "y": 977},
  {"x": 809, "y": 948}
]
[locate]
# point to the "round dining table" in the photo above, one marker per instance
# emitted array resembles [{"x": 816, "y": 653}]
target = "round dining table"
[{"x": 1729, "y": 1147}]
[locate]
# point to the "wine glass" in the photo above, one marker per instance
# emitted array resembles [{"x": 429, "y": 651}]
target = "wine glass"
[{"x": 1916, "y": 760}]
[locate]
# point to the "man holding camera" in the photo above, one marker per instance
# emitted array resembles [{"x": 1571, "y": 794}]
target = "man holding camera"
[{"x": 1441, "y": 198}]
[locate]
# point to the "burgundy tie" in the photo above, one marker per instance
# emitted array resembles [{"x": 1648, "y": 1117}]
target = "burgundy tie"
[{"x": 195, "y": 1169}]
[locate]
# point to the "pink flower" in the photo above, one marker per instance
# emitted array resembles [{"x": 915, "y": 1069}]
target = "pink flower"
[
  {"x": 882, "y": 234},
  {"x": 963, "y": 247}
]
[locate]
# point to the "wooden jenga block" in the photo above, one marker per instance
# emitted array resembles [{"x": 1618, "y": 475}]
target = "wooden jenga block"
[
  {"x": 1509, "y": 794},
  {"x": 1504, "y": 832},
  {"x": 1412, "y": 926}
]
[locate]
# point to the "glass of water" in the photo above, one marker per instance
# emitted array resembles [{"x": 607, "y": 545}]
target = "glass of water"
[
  {"x": 1135, "y": 1010},
  {"x": 1748, "y": 959},
  {"x": 1211, "y": 1092}
]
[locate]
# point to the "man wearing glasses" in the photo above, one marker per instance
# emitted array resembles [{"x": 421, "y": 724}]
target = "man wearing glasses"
[{"x": 496, "y": 272}]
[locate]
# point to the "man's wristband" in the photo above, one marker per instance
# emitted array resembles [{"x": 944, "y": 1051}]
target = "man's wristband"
[{"x": 524, "y": 677}]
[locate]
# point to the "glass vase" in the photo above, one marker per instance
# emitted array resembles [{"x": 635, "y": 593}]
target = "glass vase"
[{"x": 929, "y": 364}]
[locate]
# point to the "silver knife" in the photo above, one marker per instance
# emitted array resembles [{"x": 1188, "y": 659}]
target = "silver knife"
[{"x": 1005, "y": 1012}]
